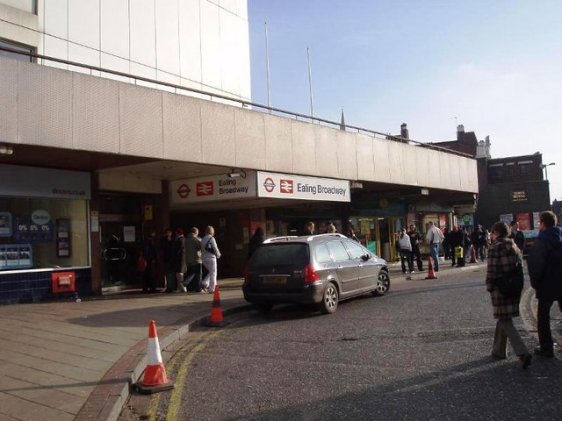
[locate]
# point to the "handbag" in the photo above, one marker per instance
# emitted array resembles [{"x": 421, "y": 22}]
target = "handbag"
[
  {"x": 141, "y": 264},
  {"x": 511, "y": 283},
  {"x": 209, "y": 247}
]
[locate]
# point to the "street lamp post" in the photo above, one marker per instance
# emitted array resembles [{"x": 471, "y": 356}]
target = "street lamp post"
[{"x": 544, "y": 166}]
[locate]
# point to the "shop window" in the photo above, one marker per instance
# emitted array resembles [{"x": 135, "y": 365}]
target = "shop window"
[{"x": 41, "y": 233}]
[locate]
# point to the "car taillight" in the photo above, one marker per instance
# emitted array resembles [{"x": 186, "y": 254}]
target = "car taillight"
[
  {"x": 310, "y": 275},
  {"x": 246, "y": 276}
]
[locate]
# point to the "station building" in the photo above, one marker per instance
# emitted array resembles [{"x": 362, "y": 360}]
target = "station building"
[{"x": 119, "y": 118}]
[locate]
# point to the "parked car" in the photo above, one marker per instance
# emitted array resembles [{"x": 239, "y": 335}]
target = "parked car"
[
  {"x": 322, "y": 269},
  {"x": 530, "y": 237}
]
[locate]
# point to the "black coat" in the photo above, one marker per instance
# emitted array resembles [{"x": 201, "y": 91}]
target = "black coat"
[{"x": 545, "y": 264}]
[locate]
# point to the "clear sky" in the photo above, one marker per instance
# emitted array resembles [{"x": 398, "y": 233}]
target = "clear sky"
[{"x": 493, "y": 66}]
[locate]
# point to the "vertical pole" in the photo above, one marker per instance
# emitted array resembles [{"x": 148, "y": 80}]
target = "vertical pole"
[
  {"x": 310, "y": 83},
  {"x": 267, "y": 68}
]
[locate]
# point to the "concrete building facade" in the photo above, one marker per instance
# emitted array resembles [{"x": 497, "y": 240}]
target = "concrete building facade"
[{"x": 122, "y": 155}]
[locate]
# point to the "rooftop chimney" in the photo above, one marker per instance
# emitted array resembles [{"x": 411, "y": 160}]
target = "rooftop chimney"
[
  {"x": 460, "y": 132},
  {"x": 404, "y": 131}
]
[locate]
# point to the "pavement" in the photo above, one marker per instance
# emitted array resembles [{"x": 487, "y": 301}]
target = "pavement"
[{"x": 77, "y": 359}]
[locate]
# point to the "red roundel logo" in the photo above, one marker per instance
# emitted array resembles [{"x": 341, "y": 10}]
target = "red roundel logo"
[
  {"x": 183, "y": 191},
  {"x": 268, "y": 184}
]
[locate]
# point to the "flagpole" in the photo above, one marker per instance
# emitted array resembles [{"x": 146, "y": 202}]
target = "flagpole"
[
  {"x": 267, "y": 67},
  {"x": 310, "y": 83}
]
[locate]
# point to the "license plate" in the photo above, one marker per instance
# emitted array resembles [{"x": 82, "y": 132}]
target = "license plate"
[{"x": 274, "y": 280}]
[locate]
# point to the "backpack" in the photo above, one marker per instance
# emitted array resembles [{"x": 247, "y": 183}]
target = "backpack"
[{"x": 511, "y": 283}]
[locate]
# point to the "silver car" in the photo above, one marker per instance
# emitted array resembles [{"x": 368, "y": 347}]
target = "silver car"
[{"x": 322, "y": 269}]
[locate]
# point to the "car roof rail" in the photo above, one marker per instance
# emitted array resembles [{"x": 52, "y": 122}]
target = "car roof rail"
[
  {"x": 329, "y": 234},
  {"x": 278, "y": 239}
]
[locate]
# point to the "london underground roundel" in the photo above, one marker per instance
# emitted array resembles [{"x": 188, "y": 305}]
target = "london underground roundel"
[
  {"x": 183, "y": 191},
  {"x": 268, "y": 184}
]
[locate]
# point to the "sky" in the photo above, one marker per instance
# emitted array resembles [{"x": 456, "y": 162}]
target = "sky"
[{"x": 493, "y": 66}]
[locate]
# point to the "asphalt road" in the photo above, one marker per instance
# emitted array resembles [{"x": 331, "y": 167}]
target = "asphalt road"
[{"x": 420, "y": 352}]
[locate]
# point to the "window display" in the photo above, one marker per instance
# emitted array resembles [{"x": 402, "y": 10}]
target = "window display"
[{"x": 43, "y": 233}]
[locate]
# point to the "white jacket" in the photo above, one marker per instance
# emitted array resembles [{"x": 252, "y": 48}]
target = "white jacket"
[
  {"x": 404, "y": 242},
  {"x": 434, "y": 236}
]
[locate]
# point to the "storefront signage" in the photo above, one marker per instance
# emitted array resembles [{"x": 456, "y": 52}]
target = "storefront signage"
[
  {"x": 26, "y": 231},
  {"x": 287, "y": 186},
  {"x": 519, "y": 196},
  {"x": 213, "y": 188},
  {"x": 40, "y": 217},
  {"x": 258, "y": 184},
  {"x": 22, "y": 181}
]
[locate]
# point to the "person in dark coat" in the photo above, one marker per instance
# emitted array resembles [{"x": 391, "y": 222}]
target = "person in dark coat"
[
  {"x": 545, "y": 270},
  {"x": 456, "y": 238},
  {"x": 255, "y": 241},
  {"x": 415, "y": 240},
  {"x": 149, "y": 253},
  {"x": 517, "y": 235},
  {"x": 167, "y": 251},
  {"x": 503, "y": 257}
]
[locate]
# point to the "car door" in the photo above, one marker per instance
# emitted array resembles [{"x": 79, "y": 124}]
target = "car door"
[
  {"x": 346, "y": 268},
  {"x": 367, "y": 270}
]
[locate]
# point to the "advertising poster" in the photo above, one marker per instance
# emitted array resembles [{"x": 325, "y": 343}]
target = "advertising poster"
[
  {"x": 506, "y": 218},
  {"x": 16, "y": 256},
  {"x": 524, "y": 220},
  {"x": 28, "y": 231},
  {"x": 536, "y": 220},
  {"x": 63, "y": 237},
  {"x": 5, "y": 224}
]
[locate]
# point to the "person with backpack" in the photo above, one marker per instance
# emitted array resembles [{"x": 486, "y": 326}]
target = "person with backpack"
[
  {"x": 503, "y": 259},
  {"x": 545, "y": 269}
]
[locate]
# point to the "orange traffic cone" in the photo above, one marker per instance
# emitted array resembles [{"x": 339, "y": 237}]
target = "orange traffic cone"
[
  {"x": 154, "y": 379},
  {"x": 216, "y": 319},
  {"x": 472, "y": 254},
  {"x": 430, "y": 271}
]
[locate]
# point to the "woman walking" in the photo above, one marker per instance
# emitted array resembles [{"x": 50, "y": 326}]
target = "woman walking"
[
  {"x": 209, "y": 254},
  {"x": 503, "y": 257}
]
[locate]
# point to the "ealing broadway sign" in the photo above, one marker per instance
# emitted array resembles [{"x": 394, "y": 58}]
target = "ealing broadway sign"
[{"x": 258, "y": 184}]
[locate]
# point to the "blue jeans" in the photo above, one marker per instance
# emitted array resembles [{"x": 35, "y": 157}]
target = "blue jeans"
[{"x": 434, "y": 251}]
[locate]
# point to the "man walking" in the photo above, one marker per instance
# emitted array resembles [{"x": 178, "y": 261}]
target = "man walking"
[
  {"x": 434, "y": 237},
  {"x": 415, "y": 240},
  {"x": 545, "y": 267},
  {"x": 517, "y": 235},
  {"x": 193, "y": 259}
]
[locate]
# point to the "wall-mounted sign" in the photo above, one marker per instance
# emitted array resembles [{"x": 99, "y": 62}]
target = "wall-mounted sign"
[
  {"x": 129, "y": 235},
  {"x": 212, "y": 188},
  {"x": 40, "y": 217},
  {"x": 518, "y": 196},
  {"x": 287, "y": 186}
]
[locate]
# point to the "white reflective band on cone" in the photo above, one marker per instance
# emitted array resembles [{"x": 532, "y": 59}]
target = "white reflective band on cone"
[{"x": 154, "y": 357}]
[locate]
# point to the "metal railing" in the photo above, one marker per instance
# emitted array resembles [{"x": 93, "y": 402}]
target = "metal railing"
[{"x": 243, "y": 103}]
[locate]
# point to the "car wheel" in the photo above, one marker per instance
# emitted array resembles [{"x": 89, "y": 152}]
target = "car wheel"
[
  {"x": 329, "y": 302},
  {"x": 383, "y": 284},
  {"x": 264, "y": 307}
]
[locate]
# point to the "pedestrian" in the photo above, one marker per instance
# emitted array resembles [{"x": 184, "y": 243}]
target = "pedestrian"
[
  {"x": 447, "y": 243},
  {"x": 458, "y": 240},
  {"x": 210, "y": 253},
  {"x": 503, "y": 258},
  {"x": 415, "y": 240},
  {"x": 193, "y": 260},
  {"x": 331, "y": 229},
  {"x": 405, "y": 249},
  {"x": 545, "y": 269},
  {"x": 255, "y": 241},
  {"x": 434, "y": 237},
  {"x": 167, "y": 251},
  {"x": 180, "y": 263},
  {"x": 351, "y": 234},
  {"x": 309, "y": 228},
  {"x": 517, "y": 235},
  {"x": 149, "y": 254}
]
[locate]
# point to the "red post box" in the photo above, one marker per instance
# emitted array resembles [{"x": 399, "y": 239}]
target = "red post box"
[{"x": 63, "y": 282}]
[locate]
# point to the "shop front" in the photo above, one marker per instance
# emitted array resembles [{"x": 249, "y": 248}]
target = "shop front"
[
  {"x": 44, "y": 233},
  {"x": 281, "y": 204}
]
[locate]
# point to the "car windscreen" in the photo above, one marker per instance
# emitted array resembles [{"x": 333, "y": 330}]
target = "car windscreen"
[{"x": 280, "y": 255}]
